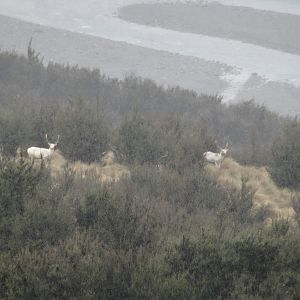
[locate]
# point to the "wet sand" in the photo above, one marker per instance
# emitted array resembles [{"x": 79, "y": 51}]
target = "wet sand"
[
  {"x": 118, "y": 59},
  {"x": 278, "y": 31},
  {"x": 264, "y": 28}
]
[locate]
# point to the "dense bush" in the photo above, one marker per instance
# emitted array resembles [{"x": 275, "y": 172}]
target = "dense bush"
[
  {"x": 238, "y": 266},
  {"x": 90, "y": 111},
  {"x": 84, "y": 134},
  {"x": 18, "y": 182},
  {"x": 171, "y": 231},
  {"x": 285, "y": 167}
]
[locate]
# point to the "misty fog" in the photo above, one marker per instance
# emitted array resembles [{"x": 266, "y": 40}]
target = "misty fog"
[{"x": 245, "y": 70}]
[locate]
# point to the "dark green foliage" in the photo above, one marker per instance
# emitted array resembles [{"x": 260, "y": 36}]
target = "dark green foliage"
[
  {"x": 285, "y": 167},
  {"x": 32, "y": 56},
  {"x": 118, "y": 220},
  {"x": 18, "y": 181},
  {"x": 170, "y": 231},
  {"x": 84, "y": 135},
  {"x": 139, "y": 141},
  {"x": 242, "y": 267},
  {"x": 280, "y": 227},
  {"x": 296, "y": 206},
  {"x": 43, "y": 222},
  {"x": 241, "y": 204}
]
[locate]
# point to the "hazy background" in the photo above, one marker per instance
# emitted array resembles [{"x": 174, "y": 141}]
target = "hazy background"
[{"x": 223, "y": 47}]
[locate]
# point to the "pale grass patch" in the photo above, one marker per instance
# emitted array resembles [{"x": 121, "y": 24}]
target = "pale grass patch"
[
  {"x": 267, "y": 194},
  {"x": 107, "y": 171}
]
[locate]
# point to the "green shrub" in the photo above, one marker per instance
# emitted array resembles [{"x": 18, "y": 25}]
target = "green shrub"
[{"x": 285, "y": 167}]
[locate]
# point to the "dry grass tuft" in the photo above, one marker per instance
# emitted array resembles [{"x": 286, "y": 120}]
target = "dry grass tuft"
[
  {"x": 267, "y": 194},
  {"x": 57, "y": 163},
  {"x": 108, "y": 170},
  {"x": 108, "y": 158}
]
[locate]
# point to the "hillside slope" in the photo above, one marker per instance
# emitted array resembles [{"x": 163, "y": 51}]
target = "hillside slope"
[{"x": 266, "y": 193}]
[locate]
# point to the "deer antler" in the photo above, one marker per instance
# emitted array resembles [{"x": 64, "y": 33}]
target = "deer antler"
[
  {"x": 58, "y": 136},
  {"x": 165, "y": 155},
  {"x": 46, "y": 136}
]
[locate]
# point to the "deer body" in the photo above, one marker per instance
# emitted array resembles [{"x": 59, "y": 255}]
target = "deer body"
[
  {"x": 216, "y": 158},
  {"x": 39, "y": 153},
  {"x": 42, "y": 153}
]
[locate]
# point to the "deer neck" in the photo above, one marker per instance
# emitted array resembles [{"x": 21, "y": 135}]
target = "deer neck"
[{"x": 51, "y": 150}]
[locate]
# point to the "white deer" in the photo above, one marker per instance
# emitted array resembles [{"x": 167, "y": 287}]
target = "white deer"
[
  {"x": 42, "y": 153},
  {"x": 216, "y": 158}
]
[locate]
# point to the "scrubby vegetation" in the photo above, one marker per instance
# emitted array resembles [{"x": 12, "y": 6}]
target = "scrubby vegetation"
[{"x": 173, "y": 232}]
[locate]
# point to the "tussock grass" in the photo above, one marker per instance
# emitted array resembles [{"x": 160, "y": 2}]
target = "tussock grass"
[
  {"x": 107, "y": 171},
  {"x": 278, "y": 201}
]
